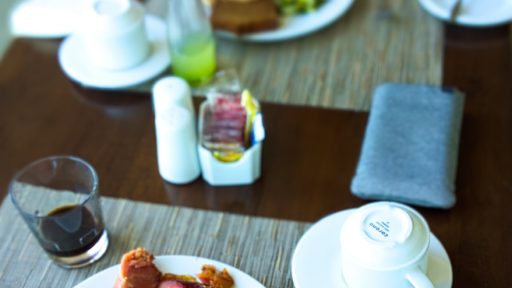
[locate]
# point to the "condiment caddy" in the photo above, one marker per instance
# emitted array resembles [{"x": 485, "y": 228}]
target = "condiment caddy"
[{"x": 227, "y": 145}]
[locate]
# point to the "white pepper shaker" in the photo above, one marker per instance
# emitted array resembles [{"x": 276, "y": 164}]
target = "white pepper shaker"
[
  {"x": 171, "y": 91},
  {"x": 176, "y": 145},
  {"x": 176, "y": 134}
]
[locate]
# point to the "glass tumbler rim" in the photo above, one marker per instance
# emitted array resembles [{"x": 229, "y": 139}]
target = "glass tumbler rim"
[{"x": 19, "y": 173}]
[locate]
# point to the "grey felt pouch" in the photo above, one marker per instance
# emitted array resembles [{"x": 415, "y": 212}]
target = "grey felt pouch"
[{"x": 410, "y": 147}]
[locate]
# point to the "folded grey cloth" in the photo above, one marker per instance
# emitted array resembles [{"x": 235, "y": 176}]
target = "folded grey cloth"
[{"x": 410, "y": 148}]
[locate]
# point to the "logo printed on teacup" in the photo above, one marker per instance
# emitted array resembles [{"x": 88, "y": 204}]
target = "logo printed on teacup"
[{"x": 381, "y": 228}]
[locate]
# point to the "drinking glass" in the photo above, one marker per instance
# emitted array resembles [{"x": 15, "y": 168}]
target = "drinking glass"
[
  {"x": 191, "y": 41},
  {"x": 59, "y": 200}
]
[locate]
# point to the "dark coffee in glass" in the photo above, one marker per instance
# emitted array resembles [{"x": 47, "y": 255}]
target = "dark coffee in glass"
[
  {"x": 58, "y": 199},
  {"x": 70, "y": 230}
]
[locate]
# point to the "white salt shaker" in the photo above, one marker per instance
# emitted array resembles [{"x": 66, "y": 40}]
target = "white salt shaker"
[
  {"x": 171, "y": 91},
  {"x": 176, "y": 143},
  {"x": 175, "y": 131}
]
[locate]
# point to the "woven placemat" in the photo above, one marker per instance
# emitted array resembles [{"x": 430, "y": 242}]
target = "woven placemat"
[
  {"x": 261, "y": 247},
  {"x": 338, "y": 66},
  {"x": 375, "y": 41}
]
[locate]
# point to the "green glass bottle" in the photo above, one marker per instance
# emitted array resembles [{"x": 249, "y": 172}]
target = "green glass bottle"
[{"x": 191, "y": 41}]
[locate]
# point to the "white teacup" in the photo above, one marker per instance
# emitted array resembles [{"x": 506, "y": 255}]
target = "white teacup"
[
  {"x": 385, "y": 245},
  {"x": 114, "y": 34}
]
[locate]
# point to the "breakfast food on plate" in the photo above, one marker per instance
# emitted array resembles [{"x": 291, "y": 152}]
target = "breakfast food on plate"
[
  {"x": 293, "y": 7},
  {"x": 244, "y": 16},
  {"x": 138, "y": 271},
  {"x": 209, "y": 275},
  {"x": 248, "y": 16}
]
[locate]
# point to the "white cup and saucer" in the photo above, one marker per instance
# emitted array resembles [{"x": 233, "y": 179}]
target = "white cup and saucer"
[
  {"x": 116, "y": 46},
  {"x": 382, "y": 244}
]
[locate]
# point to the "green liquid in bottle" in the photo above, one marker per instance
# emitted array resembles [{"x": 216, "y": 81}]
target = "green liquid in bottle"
[{"x": 194, "y": 59}]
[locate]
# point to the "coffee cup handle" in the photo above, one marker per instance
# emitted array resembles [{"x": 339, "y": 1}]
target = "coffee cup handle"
[{"x": 418, "y": 279}]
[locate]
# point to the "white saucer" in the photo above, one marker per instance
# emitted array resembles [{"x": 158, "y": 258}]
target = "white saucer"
[
  {"x": 75, "y": 64},
  {"x": 473, "y": 12},
  {"x": 316, "y": 260}
]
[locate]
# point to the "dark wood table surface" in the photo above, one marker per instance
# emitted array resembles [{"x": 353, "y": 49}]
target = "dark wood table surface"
[{"x": 309, "y": 155}]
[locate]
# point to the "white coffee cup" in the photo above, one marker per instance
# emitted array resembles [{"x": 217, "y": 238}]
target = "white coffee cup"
[
  {"x": 114, "y": 34},
  {"x": 385, "y": 245}
]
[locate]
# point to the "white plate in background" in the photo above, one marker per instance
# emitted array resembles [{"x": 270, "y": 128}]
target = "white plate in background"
[
  {"x": 472, "y": 12},
  {"x": 299, "y": 25},
  {"x": 176, "y": 264}
]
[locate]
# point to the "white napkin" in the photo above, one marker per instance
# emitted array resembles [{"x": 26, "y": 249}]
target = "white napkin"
[{"x": 46, "y": 18}]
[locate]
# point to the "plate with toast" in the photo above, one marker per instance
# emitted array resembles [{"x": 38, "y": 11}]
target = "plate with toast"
[{"x": 262, "y": 20}]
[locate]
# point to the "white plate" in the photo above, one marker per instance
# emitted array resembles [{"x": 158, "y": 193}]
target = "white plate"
[
  {"x": 473, "y": 12},
  {"x": 299, "y": 25},
  {"x": 316, "y": 260},
  {"x": 75, "y": 64},
  {"x": 176, "y": 264}
]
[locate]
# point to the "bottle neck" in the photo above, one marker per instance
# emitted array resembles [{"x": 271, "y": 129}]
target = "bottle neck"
[{"x": 187, "y": 17}]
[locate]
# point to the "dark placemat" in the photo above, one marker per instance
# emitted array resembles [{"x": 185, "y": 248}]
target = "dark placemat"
[{"x": 261, "y": 247}]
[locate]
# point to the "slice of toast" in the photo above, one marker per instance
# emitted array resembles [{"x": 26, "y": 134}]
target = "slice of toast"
[{"x": 241, "y": 17}]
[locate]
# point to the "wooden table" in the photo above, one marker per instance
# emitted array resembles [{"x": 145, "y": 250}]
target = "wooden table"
[{"x": 309, "y": 156}]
